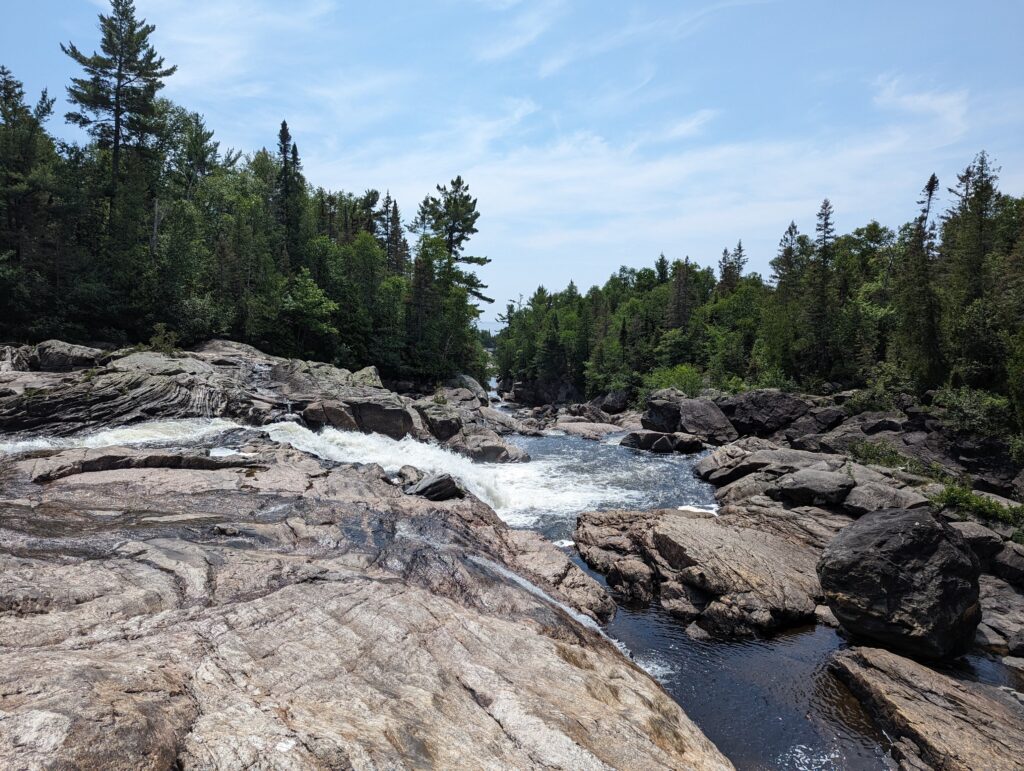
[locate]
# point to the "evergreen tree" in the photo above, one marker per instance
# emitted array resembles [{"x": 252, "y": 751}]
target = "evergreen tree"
[{"x": 115, "y": 100}]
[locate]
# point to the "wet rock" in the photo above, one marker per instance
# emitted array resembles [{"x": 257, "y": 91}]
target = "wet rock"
[
  {"x": 763, "y": 412},
  {"x": 906, "y": 580},
  {"x": 481, "y": 443},
  {"x": 952, "y": 724},
  {"x": 656, "y": 441},
  {"x": 330, "y": 413},
  {"x": 382, "y": 413},
  {"x": 633, "y": 579},
  {"x": 594, "y": 432},
  {"x": 443, "y": 421},
  {"x": 436, "y": 487}
]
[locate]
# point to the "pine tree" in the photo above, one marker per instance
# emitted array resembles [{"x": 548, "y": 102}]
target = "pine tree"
[
  {"x": 116, "y": 99},
  {"x": 452, "y": 216}
]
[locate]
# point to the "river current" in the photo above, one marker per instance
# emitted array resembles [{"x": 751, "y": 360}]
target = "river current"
[{"x": 767, "y": 704}]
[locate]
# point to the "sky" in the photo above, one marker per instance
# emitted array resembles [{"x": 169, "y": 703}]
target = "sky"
[{"x": 594, "y": 133}]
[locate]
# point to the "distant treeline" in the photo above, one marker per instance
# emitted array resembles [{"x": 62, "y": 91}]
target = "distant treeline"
[
  {"x": 937, "y": 304},
  {"x": 151, "y": 229}
]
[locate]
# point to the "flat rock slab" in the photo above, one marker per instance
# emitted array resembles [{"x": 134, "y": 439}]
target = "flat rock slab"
[{"x": 955, "y": 725}]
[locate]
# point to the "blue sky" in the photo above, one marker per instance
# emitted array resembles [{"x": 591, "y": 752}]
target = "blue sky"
[{"x": 594, "y": 133}]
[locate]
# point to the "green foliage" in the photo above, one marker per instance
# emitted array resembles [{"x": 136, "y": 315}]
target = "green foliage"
[
  {"x": 965, "y": 501},
  {"x": 685, "y": 377},
  {"x": 881, "y": 453},
  {"x": 975, "y": 412},
  {"x": 150, "y": 232},
  {"x": 1016, "y": 448}
]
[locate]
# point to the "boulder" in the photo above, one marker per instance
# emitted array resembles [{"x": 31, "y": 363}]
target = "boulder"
[
  {"x": 473, "y": 386},
  {"x": 616, "y": 402},
  {"x": 656, "y": 441},
  {"x": 812, "y": 487},
  {"x": 763, "y": 412},
  {"x": 482, "y": 444},
  {"x": 16, "y": 358},
  {"x": 1008, "y": 564},
  {"x": 436, "y": 487},
  {"x": 876, "y": 496},
  {"x": 984, "y": 542},
  {"x": 442, "y": 420},
  {"x": 904, "y": 579},
  {"x": 662, "y": 413},
  {"x": 703, "y": 419},
  {"x": 58, "y": 356},
  {"x": 381, "y": 413},
  {"x": 330, "y": 413}
]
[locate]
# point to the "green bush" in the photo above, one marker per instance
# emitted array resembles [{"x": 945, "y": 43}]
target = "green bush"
[
  {"x": 685, "y": 377},
  {"x": 885, "y": 383},
  {"x": 976, "y": 412},
  {"x": 1016, "y": 447},
  {"x": 965, "y": 500}
]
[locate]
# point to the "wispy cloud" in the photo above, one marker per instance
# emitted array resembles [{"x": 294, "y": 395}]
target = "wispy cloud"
[
  {"x": 947, "y": 107},
  {"x": 521, "y": 31}
]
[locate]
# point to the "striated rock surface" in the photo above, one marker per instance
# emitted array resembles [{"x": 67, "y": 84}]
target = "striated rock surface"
[
  {"x": 232, "y": 380},
  {"x": 166, "y": 608},
  {"x": 935, "y": 721}
]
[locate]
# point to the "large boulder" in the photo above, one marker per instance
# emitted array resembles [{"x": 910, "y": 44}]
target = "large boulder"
[
  {"x": 906, "y": 580},
  {"x": 467, "y": 383},
  {"x": 813, "y": 487},
  {"x": 381, "y": 413},
  {"x": 442, "y": 420},
  {"x": 669, "y": 410},
  {"x": 615, "y": 402},
  {"x": 1008, "y": 564},
  {"x": 762, "y": 413},
  {"x": 58, "y": 356}
]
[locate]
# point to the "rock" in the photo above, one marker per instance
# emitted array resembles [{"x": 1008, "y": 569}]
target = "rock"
[
  {"x": 382, "y": 413},
  {"x": 743, "y": 581},
  {"x": 17, "y": 358},
  {"x": 1002, "y": 611},
  {"x": 1008, "y": 564},
  {"x": 468, "y": 383},
  {"x": 615, "y": 402},
  {"x": 482, "y": 444},
  {"x": 633, "y": 579},
  {"x": 812, "y": 487},
  {"x": 330, "y": 413},
  {"x": 904, "y": 579},
  {"x": 876, "y": 496},
  {"x": 662, "y": 413},
  {"x": 954, "y": 724},
  {"x": 436, "y": 487},
  {"x": 442, "y": 421},
  {"x": 763, "y": 412},
  {"x": 656, "y": 441},
  {"x": 592, "y": 431},
  {"x": 983, "y": 542},
  {"x": 294, "y": 613},
  {"x": 58, "y": 356}
]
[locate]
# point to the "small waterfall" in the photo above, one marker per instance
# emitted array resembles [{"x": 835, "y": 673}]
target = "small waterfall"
[{"x": 177, "y": 432}]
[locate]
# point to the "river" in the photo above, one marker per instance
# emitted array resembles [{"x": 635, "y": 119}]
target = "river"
[{"x": 767, "y": 704}]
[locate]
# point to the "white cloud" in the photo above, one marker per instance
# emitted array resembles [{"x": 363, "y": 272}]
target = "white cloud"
[{"x": 521, "y": 31}]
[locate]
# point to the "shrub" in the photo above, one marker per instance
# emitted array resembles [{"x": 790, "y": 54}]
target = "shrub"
[
  {"x": 1016, "y": 447},
  {"x": 164, "y": 340},
  {"x": 885, "y": 384},
  {"x": 685, "y": 377},
  {"x": 965, "y": 500},
  {"x": 972, "y": 411}
]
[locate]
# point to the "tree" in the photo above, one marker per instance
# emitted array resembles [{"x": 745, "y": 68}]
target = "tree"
[
  {"x": 730, "y": 269},
  {"x": 452, "y": 216},
  {"x": 916, "y": 303},
  {"x": 115, "y": 100}
]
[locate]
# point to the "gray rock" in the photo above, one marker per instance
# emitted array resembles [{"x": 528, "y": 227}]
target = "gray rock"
[
  {"x": 876, "y": 496},
  {"x": 442, "y": 421},
  {"x": 763, "y": 412},
  {"x": 1008, "y": 564},
  {"x": 812, "y": 487},
  {"x": 436, "y": 487},
  {"x": 615, "y": 402},
  {"x": 984, "y": 542},
  {"x": 906, "y": 580},
  {"x": 58, "y": 356}
]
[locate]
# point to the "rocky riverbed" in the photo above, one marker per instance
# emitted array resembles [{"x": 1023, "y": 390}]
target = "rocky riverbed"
[{"x": 221, "y": 559}]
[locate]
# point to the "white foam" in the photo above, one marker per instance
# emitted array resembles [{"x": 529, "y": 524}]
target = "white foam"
[
  {"x": 657, "y": 666},
  {"x": 165, "y": 431},
  {"x": 516, "y": 491}
]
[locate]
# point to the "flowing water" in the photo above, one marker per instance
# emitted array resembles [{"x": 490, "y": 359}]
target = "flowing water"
[{"x": 766, "y": 703}]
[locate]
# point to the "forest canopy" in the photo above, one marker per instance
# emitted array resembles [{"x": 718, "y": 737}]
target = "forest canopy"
[
  {"x": 936, "y": 305},
  {"x": 152, "y": 228}
]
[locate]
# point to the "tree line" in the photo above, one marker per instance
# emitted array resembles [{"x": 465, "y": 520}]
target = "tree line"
[
  {"x": 150, "y": 229},
  {"x": 936, "y": 305}
]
